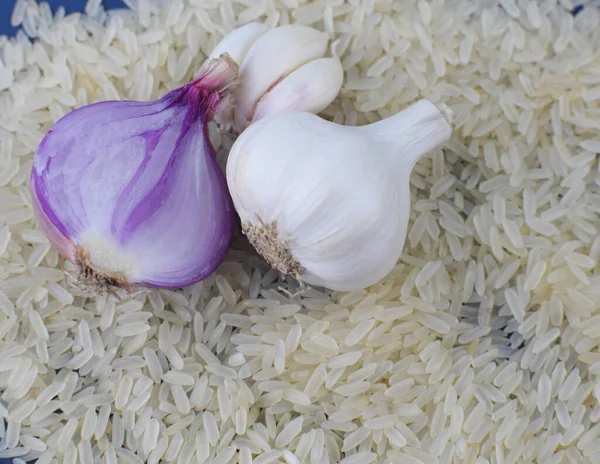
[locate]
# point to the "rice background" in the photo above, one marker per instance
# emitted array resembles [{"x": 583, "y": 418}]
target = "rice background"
[{"x": 480, "y": 347}]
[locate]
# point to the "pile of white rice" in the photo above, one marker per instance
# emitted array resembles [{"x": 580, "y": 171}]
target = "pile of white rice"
[{"x": 480, "y": 347}]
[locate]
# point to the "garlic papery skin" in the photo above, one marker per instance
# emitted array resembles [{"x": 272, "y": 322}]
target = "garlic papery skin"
[
  {"x": 326, "y": 203},
  {"x": 282, "y": 69},
  {"x": 131, "y": 192}
]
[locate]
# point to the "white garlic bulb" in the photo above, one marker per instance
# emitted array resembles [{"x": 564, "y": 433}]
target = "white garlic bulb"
[
  {"x": 282, "y": 69},
  {"x": 326, "y": 203}
]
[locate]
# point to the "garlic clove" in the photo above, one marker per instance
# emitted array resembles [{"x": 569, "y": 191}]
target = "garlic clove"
[
  {"x": 311, "y": 88},
  {"x": 237, "y": 43},
  {"x": 270, "y": 59}
]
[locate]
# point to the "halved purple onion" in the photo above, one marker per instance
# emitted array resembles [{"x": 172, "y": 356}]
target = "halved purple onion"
[{"x": 131, "y": 192}]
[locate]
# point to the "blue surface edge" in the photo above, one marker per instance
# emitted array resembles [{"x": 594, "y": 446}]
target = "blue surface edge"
[{"x": 6, "y": 7}]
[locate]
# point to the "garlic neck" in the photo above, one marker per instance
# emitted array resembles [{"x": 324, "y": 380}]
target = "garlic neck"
[{"x": 414, "y": 131}]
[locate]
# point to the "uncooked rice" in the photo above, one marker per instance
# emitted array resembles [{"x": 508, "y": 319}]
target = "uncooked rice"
[{"x": 481, "y": 345}]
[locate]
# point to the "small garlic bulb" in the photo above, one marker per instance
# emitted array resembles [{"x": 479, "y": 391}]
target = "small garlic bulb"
[
  {"x": 282, "y": 69},
  {"x": 326, "y": 203}
]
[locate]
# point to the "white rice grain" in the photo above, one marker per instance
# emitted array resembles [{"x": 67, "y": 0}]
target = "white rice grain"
[{"x": 489, "y": 313}]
